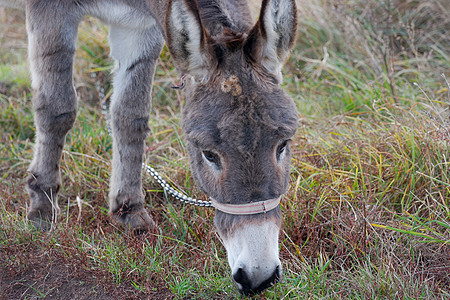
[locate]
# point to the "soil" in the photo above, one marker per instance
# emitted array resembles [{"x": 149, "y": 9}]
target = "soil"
[{"x": 40, "y": 277}]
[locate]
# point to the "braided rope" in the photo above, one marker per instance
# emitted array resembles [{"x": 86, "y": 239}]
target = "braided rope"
[
  {"x": 167, "y": 188},
  {"x": 171, "y": 191}
]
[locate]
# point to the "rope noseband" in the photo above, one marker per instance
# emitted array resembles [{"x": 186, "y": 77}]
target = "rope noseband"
[{"x": 247, "y": 208}]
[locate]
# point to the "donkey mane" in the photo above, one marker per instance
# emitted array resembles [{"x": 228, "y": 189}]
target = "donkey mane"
[
  {"x": 225, "y": 34},
  {"x": 229, "y": 38},
  {"x": 212, "y": 14},
  {"x": 217, "y": 15}
]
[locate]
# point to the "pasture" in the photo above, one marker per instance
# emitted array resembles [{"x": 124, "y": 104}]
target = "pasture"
[{"x": 367, "y": 214}]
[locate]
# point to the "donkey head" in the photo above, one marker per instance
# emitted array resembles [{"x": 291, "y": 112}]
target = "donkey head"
[{"x": 238, "y": 124}]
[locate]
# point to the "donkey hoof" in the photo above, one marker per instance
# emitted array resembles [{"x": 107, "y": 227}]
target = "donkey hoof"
[
  {"x": 42, "y": 221},
  {"x": 135, "y": 221}
]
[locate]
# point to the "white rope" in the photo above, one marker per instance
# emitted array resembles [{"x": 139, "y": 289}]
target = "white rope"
[{"x": 171, "y": 191}]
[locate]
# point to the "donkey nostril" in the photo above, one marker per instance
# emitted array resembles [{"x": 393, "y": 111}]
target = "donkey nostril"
[
  {"x": 241, "y": 277},
  {"x": 273, "y": 279}
]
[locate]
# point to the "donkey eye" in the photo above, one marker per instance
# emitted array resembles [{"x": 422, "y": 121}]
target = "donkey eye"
[
  {"x": 211, "y": 157},
  {"x": 282, "y": 147}
]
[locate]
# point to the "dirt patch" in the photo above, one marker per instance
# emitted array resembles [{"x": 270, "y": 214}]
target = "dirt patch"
[{"x": 37, "y": 275}]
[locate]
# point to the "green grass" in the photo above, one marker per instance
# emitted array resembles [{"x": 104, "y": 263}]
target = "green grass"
[{"x": 367, "y": 215}]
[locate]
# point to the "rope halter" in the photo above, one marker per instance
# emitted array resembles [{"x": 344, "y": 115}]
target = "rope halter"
[{"x": 232, "y": 209}]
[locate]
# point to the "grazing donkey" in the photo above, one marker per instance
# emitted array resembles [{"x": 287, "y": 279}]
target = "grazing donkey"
[{"x": 238, "y": 122}]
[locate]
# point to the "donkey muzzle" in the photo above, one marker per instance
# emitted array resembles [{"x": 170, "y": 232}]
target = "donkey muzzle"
[{"x": 253, "y": 255}]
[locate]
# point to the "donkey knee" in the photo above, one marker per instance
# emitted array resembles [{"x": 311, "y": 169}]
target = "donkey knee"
[
  {"x": 131, "y": 130},
  {"x": 57, "y": 124},
  {"x": 63, "y": 122},
  {"x": 138, "y": 127}
]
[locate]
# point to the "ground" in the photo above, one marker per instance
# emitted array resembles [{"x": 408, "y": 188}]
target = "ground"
[{"x": 56, "y": 278}]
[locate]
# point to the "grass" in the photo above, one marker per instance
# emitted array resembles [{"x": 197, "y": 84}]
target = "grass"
[{"x": 367, "y": 215}]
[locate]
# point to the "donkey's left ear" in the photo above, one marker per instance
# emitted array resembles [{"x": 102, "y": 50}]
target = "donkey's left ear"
[
  {"x": 187, "y": 38},
  {"x": 271, "y": 39}
]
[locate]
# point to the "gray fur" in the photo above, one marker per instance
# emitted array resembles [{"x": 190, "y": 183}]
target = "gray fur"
[{"x": 237, "y": 120}]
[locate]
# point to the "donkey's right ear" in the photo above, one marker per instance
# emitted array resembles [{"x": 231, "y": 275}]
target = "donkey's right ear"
[
  {"x": 271, "y": 39},
  {"x": 187, "y": 39}
]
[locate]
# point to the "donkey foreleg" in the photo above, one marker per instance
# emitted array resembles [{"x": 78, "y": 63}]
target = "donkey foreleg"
[
  {"x": 51, "y": 43},
  {"x": 135, "y": 53}
]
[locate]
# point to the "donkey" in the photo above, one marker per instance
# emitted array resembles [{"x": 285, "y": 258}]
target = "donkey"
[{"x": 237, "y": 120}]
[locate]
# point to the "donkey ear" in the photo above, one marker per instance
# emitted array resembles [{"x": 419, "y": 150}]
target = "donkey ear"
[
  {"x": 271, "y": 39},
  {"x": 187, "y": 38}
]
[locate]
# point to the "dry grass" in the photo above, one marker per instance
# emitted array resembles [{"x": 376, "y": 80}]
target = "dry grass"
[{"x": 367, "y": 215}]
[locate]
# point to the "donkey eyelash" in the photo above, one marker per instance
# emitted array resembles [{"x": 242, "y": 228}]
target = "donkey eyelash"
[
  {"x": 282, "y": 147},
  {"x": 211, "y": 157}
]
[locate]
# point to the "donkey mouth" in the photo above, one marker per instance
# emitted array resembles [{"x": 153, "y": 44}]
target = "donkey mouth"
[{"x": 244, "y": 283}]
